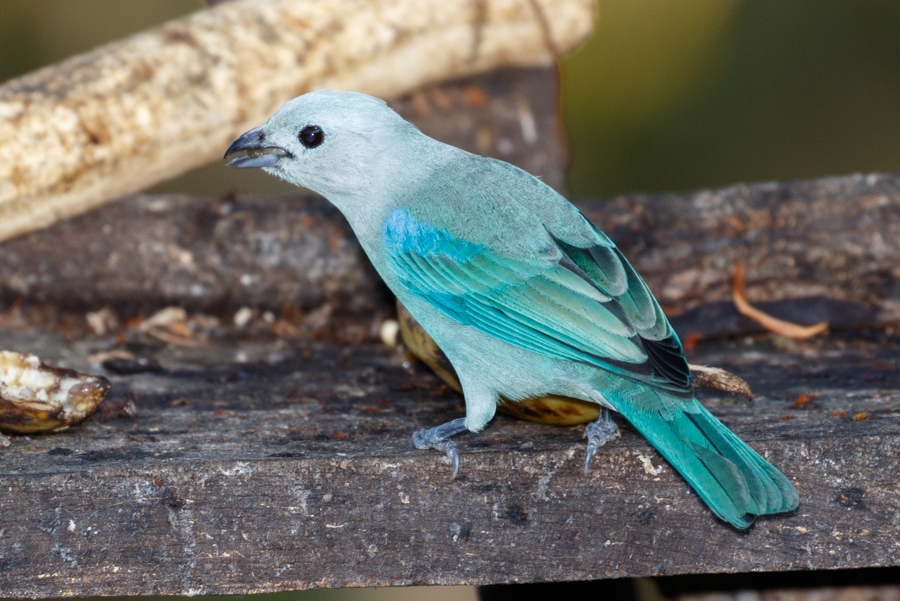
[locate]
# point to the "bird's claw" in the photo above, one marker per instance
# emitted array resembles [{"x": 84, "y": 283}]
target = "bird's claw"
[
  {"x": 436, "y": 438},
  {"x": 425, "y": 439},
  {"x": 598, "y": 434}
]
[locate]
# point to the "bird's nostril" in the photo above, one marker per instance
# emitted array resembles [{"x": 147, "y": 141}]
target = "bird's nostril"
[{"x": 262, "y": 135}]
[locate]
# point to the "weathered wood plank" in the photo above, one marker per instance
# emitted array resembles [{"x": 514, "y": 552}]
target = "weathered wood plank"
[
  {"x": 149, "y": 251},
  {"x": 258, "y": 465},
  {"x": 832, "y": 243},
  {"x": 815, "y": 251}
]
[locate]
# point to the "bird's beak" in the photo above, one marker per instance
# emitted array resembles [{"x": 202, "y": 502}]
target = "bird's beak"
[{"x": 257, "y": 152}]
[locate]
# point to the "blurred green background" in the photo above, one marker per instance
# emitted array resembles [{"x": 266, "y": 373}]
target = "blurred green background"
[
  {"x": 669, "y": 95},
  {"x": 678, "y": 95}
]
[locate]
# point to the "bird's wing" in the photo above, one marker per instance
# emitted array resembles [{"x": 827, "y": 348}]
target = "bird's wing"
[{"x": 572, "y": 297}]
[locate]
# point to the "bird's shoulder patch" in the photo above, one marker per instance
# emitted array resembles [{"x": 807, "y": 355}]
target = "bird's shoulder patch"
[{"x": 404, "y": 233}]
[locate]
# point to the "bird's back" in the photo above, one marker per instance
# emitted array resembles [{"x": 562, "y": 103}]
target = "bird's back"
[{"x": 515, "y": 267}]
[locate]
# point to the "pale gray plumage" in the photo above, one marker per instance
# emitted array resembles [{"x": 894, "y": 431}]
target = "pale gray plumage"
[{"x": 522, "y": 293}]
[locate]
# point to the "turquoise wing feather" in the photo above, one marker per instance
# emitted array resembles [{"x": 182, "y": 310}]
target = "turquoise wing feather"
[
  {"x": 490, "y": 246},
  {"x": 564, "y": 302},
  {"x": 577, "y": 298}
]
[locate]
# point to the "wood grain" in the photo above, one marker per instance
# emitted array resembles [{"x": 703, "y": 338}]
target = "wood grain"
[
  {"x": 256, "y": 465},
  {"x": 814, "y": 251},
  {"x": 141, "y": 110},
  {"x": 221, "y": 254}
]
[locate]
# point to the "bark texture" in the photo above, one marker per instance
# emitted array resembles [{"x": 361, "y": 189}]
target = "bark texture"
[
  {"x": 127, "y": 115},
  {"x": 821, "y": 250},
  {"x": 255, "y": 465},
  {"x": 817, "y": 250},
  {"x": 149, "y": 251}
]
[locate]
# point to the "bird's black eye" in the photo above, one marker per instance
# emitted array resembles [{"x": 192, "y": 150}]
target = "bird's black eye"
[{"x": 312, "y": 136}]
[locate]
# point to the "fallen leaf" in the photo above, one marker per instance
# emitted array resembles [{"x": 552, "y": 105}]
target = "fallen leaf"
[
  {"x": 838, "y": 413},
  {"x": 690, "y": 343},
  {"x": 135, "y": 322},
  {"x": 175, "y": 339},
  {"x": 859, "y": 417},
  {"x": 736, "y": 223},
  {"x": 475, "y": 96},
  {"x": 163, "y": 318},
  {"x": 441, "y": 98},
  {"x": 420, "y": 103},
  {"x": 803, "y": 399}
]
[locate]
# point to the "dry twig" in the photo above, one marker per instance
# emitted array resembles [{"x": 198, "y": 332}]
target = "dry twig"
[{"x": 773, "y": 324}]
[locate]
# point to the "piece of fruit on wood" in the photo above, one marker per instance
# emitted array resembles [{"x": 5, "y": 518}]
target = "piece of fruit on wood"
[{"x": 35, "y": 397}]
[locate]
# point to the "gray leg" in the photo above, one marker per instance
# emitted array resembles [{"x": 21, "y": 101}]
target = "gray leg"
[
  {"x": 437, "y": 438},
  {"x": 598, "y": 434}
]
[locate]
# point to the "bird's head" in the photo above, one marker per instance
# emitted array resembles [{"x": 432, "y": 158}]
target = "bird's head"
[{"x": 339, "y": 144}]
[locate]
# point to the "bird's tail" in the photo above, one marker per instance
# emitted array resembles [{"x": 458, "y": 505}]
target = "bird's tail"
[{"x": 729, "y": 476}]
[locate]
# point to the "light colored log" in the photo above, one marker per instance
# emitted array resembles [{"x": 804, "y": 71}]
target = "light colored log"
[{"x": 127, "y": 115}]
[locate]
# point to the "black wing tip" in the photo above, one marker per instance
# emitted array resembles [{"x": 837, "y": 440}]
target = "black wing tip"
[{"x": 668, "y": 360}]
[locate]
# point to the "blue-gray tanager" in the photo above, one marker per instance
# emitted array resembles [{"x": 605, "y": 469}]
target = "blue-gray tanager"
[{"x": 524, "y": 295}]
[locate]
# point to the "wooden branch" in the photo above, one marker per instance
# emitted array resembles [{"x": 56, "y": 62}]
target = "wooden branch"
[
  {"x": 257, "y": 465},
  {"x": 814, "y": 251},
  {"x": 150, "y": 107},
  {"x": 153, "y": 251},
  {"x": 817, "y": 250}
]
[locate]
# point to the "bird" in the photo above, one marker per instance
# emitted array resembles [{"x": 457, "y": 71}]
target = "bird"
[{"x": 525, "y": 296}]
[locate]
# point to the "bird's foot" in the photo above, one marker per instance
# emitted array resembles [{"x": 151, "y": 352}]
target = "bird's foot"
[
  {"x": 598, "y": 434},
  {"x": 437, "y": 438}
]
